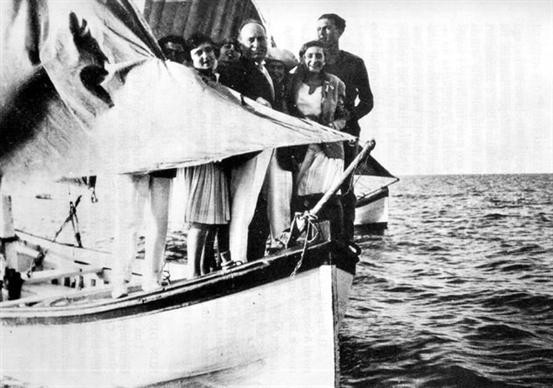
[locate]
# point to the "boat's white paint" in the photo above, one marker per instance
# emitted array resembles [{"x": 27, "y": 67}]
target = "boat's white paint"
[
  {"x": 286, "y": 331},
  {"x": 343, "y": 285},
  {"x": 372, "y": 213}
]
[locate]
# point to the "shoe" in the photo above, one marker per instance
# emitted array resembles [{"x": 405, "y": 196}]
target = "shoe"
[
  {"x": 227, "y": 262},
  {"x": 119, "y": 291},
  {"x": 275, "y": 247},
  {"x": 225, "y": 266}
]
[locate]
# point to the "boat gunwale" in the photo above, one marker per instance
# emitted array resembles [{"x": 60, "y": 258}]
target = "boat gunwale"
[
  {"x": 382, "y": 192},
  {"x": 183, "y": 292}
]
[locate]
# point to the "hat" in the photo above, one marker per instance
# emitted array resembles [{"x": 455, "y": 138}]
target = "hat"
[{"x": 282, "y": 55}]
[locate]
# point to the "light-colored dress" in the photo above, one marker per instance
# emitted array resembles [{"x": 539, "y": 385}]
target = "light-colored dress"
[
  {"x": 318, "y": 172},
  {"x": 207, "y": 195}
]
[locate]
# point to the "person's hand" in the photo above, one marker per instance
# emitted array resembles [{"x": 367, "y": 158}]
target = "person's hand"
[
  {"x": 352, "y": 142},
  {"x": 315, "y": 147},
  {"x": 337, "y": 124},
  {"x": 262, "y": 101},
  {"x": 333, "y": 150}
]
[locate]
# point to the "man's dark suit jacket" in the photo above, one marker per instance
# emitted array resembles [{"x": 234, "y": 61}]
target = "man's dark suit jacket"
[{"x": 244, "y": 77}]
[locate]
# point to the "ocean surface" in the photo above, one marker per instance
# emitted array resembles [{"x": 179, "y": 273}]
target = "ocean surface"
[{"x": 457, "y": 292}]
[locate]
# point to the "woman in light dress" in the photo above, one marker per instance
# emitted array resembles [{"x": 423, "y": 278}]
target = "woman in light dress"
[
  {"x": 317, "y": 95},
  {"x": 207, "y": 208}
]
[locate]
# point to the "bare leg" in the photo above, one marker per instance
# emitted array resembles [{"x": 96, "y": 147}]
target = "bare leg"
[
  {"x": 279, "y": 197},
  {"x": 246, "y": 182},
  {"x": 225, "y": 258},
  {"x": 156, "y": 231},
  {"x": 195, "y": 246},
  {"x": 131, "y": 193}
]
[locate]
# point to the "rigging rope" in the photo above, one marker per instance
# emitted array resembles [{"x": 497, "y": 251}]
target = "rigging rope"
[
  {"x": 310, "y": 227},
  {"x": 72, "y": 217},
  {"x": 90, "y": 181}
]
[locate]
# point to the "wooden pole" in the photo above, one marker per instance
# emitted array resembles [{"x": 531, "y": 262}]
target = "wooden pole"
[
  {"x": 367, "y": 148},
  {"x": 298, "y": 223},
  {"x": 7, "y": 230}
]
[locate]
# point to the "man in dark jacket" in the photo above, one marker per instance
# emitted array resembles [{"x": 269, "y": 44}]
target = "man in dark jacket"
[
  {"x": 351, "y": 70},
  {"x": 249, "y": 77}
]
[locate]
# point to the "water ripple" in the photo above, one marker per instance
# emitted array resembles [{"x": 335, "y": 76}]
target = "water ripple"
[{"x": 459, "y": 290}]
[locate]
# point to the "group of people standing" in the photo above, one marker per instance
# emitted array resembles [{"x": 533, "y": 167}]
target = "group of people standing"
[{"x": 327, "y": 85}]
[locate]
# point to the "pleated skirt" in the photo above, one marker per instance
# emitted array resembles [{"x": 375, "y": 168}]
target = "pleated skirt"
[
  {"x": 318, "y": 173},
  {"x": 207, "y": 195}
]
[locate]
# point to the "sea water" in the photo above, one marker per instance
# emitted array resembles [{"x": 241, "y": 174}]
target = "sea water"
[{"x": 457, "y": 292}]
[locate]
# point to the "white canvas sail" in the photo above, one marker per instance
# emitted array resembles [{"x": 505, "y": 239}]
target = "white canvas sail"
[{"x": 84, "y": 92}]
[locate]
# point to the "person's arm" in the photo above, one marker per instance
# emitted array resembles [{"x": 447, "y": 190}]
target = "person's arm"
[
  {"x": 341, "y": 114},
  {"x": 290, "y": 98},
  {"x": 336, "y": 150},
  {"x": 366, "y": 101}
]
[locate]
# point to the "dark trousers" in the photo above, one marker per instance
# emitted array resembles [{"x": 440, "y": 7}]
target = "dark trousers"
[
  {"x": 258, "y": 230},
  {"x": 331, "y": 211},
  {"x": 348, "y": 197}
]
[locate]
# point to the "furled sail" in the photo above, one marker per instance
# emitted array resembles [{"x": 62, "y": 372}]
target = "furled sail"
[
  {"x": 371, "y": 176},
  {"x": 217, "y": 18},
  {"x": 370, "y": 166},
  {"x": 84, "y": 92}
]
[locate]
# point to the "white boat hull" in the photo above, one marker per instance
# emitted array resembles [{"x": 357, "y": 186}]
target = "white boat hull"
[
  {"x": 372, "y": 212},
  {"x": 286, "y": 330}
]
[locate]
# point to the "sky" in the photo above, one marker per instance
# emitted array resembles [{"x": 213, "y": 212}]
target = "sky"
[{"x": 461, "y": 87}]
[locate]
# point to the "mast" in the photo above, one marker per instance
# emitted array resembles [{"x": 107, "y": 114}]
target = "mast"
[{"x": 7, "y": 232}]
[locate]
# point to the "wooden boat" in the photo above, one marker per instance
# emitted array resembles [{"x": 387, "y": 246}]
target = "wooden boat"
[
  {"x": 274, "y": 319},
  {"x": 257, "y": 323},
  {"x": 371, "y": 186},
  {"x": 371, "y": 210}
]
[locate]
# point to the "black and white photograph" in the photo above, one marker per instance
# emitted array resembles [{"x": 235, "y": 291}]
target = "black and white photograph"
[{"x": 276, "y": 193}]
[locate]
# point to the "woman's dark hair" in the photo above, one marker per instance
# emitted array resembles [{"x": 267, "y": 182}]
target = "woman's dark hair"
[
  {"x": 312, "y": 43},
  {"x": 196, "y": 40},
  {"x": 232, "y": 41},
  {"x": 302, "y": 70},
  {"x": 172, "y": 39}
]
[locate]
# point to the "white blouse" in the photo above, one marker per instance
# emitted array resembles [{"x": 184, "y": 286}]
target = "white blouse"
[{"x": 309, "y": 104}]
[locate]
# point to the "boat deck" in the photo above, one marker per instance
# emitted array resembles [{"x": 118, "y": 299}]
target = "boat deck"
[{"x": 54, "y": 274}]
